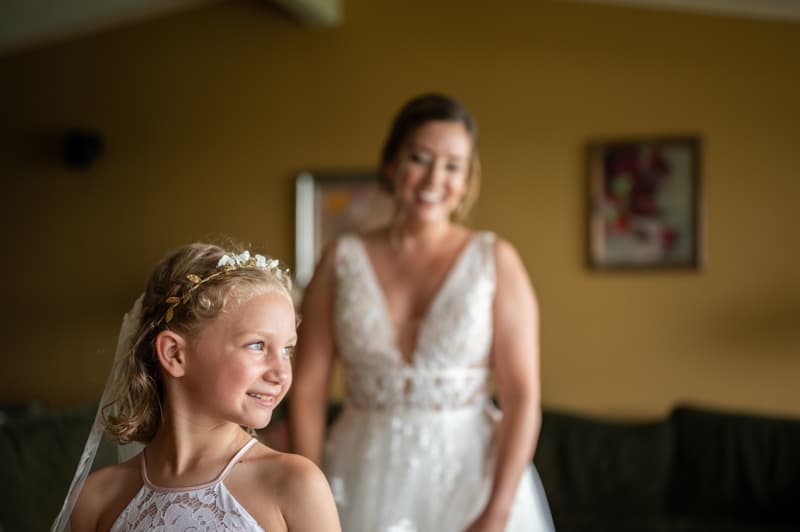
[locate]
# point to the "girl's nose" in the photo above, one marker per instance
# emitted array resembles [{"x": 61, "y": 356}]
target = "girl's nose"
[
  {"x": 280, "y": 374},
  {"x": 278, "y": 367}
]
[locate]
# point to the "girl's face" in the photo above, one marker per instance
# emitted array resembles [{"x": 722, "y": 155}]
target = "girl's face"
[
  {"x": 239, "y": 366},
  {"x": 430, "y": 171}
]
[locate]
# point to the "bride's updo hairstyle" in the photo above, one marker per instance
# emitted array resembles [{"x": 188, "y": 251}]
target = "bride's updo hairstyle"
[
  {"x": 191, "y": 286},
  {"x": 419, "y": 111}
]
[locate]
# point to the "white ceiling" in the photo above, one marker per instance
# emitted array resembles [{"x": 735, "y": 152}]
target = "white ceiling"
[
  {"x": 785, "y": 10},
  {"x": 28, "y": 23}
]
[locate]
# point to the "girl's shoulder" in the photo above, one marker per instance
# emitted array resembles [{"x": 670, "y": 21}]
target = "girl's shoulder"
[
  {"x": 302, "y": 491},
  {"x": 293, "y": 485},
  {"x": 105, "y": 494},
  {"x": 285, "y": 471},
  {"x": 107, "y": 481},
  {"x": 377, "y": 234}
]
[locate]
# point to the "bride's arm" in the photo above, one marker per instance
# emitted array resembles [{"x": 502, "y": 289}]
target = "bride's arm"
[
  {"x": 515, "y": 359},
  {"x": 313, "y": 363}
]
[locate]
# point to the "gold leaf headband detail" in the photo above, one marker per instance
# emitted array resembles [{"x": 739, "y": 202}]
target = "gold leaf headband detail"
[{"x": 227, "y": 263}]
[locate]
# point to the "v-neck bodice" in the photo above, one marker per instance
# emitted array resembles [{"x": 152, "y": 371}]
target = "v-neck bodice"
[
  {"x": 453, "y": 339},
  {"x": 382, "y": 301}
]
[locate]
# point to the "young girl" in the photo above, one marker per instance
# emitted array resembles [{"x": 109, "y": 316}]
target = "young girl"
[{"x": 210, "y": 357}]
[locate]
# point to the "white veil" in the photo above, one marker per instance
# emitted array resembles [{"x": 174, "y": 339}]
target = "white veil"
[{"x": 130, "y": 324}]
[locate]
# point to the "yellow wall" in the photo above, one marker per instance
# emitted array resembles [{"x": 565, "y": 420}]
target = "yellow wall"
[{"x": 209, "y": 114}]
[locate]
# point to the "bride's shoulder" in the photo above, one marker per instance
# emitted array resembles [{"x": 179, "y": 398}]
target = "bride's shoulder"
[
  {"x": 371, "y": 238},
  {"x": 507, "y": 259},
  {"x": 345, "y": 240},
  {"x": 499, "y": 243}
]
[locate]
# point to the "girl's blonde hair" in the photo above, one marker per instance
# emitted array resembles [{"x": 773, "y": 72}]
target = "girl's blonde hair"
[{"x": 185, "y": 290}]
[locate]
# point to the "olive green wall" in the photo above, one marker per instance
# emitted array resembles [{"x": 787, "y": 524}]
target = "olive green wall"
[{"x": 209, "y": 114}]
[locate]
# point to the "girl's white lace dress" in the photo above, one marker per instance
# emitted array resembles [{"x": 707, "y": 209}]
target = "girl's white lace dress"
[
  {"x": 205, "y": 508},
  {"x": 413, "y": 447}
]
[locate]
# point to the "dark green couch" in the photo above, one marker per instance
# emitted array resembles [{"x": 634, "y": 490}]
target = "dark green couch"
[
  {"x": 698, "y": 470},
  {"x": 39, "y": 451}
]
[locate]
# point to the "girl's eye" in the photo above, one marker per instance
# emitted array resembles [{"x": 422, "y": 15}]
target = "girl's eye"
[
  {"x": 256, "y": 346},
  {"x": 453, "y": 167},
  {"x": 288, "y": 351}
]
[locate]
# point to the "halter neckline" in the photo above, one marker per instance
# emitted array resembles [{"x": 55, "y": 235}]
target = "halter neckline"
[{"x": 219, "y": 478}]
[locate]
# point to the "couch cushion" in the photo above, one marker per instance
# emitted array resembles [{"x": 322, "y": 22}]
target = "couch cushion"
[
  {"x": 736, "y": 466},
  {"x": 38, "y": 457},
  {"x": 594, "y": 467}
]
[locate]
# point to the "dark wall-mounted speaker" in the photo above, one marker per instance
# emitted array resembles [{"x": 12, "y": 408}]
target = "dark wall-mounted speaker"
[{"x": 82, "y": 147}]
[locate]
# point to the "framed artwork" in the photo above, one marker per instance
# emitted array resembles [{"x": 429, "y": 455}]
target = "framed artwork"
[
  {"x": 644, "y": 203},
  {"x": 328, "y": 205}
]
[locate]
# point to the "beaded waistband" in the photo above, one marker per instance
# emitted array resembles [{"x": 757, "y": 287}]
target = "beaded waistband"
[{"x": 410, "y": 387}]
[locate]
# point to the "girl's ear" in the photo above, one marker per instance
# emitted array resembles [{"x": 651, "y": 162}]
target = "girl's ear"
[{"x": 171, "y": 352}]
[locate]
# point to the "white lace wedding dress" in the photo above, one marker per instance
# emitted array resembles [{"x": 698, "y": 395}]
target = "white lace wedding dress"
[{"x": 413, "y": 447}]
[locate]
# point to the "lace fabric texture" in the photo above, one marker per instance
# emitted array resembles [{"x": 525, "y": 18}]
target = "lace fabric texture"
[
  {"x": 448, "y": 370},
  {"x": 413, "y": 450},
  {"x": 209, "y": 507}
]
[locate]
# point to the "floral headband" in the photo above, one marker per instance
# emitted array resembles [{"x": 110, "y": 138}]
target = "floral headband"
[{"x": 227, "y": 263}]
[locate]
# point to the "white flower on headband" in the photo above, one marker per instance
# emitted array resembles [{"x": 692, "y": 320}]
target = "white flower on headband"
[
  {"x": 226, "y": 260},
  {"x": 234, "y": 260},
  {"x": 245, "y": 259}
]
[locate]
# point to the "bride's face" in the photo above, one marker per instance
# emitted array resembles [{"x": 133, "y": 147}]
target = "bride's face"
[{"x": 431, "y": 170}]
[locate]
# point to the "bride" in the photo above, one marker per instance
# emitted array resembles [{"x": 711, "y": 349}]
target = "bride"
[{"x": 419, "y": 313}]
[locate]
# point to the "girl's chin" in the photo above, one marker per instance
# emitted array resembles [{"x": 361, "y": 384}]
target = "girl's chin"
[
  {"x": 258, "y": 419},
  {"x": 261, "y": 422}
]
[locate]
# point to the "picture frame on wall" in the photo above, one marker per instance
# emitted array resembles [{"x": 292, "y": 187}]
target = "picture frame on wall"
[
  {"x": 328, "y": 205},
  {"x": 644, "y": 203}
]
